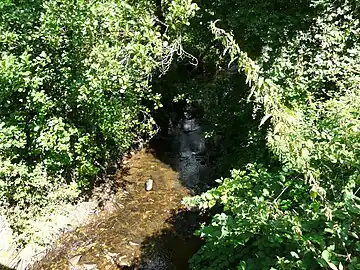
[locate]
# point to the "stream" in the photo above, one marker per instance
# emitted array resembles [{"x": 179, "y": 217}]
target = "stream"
[{"x": 144, "y": 229}]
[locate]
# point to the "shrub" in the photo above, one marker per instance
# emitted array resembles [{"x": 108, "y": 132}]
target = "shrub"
[
  {"x": 73, "y": 78},
  {"x": 303, "y": 215}
]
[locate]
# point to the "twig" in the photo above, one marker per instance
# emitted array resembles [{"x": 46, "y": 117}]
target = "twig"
[
  {"x": 175, "y": 48},
  {"x": 281, "y": 194},
  {"x": 164, "y": 24}
]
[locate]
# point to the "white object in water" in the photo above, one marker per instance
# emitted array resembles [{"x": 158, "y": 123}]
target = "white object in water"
[{"x": 149, "y": 184}]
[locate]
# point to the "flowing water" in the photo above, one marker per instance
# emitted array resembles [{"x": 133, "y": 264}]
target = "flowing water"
[{"x": 144, "y": 229}]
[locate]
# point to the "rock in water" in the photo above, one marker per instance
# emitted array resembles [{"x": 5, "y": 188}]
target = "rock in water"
[{"x": 149, "y": 184}]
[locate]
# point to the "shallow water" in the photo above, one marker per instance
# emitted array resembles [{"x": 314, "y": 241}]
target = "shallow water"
[{"x": 141, "y": 230}]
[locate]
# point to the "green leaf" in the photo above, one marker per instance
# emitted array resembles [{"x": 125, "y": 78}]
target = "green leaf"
[
  {"x": 264, "y": 119},
  {"x": 326, "y": 255},
  {"x": 242, "y": 265},
  {"x": 294, "y": 254},
  {"x": 332, "y": 266}
]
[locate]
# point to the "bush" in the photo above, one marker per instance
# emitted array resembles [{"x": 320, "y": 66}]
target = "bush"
[
  {"x": 73, "y": 78},
  {"x": 303, "y": 215}
]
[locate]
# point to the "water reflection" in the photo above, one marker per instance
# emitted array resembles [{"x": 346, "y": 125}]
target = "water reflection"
[{"x": 183, "y": 146}]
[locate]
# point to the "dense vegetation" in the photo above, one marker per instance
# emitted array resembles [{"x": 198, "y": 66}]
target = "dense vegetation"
[
  {"x": 278, "y": 82},
  {"x": 73, "y": 78},
  {"x": 304, "y": 212}
]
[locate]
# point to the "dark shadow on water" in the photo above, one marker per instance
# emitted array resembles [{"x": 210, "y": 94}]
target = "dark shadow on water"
[
  {"x": 228, "y": 116},
  {"x": 221, "y": 93},
  {"x": 171, "y": 248}
]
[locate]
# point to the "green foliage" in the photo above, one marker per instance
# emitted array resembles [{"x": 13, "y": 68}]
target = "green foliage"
[
  {"x": 269, "y": 220},
  {"x": 179, "y": 12},
  {"x": 305, "y": 214},
  {"x": 73, "y": 78}
]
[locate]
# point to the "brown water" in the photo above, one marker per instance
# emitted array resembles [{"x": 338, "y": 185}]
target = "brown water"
[{"x": 143, "y": 230}]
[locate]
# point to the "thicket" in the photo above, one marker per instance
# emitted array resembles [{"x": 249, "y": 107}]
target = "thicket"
[
  {"x": 74, "y": 76},
  {"x": 301, "y": 63},
  {"x": 279, "y": 84}
]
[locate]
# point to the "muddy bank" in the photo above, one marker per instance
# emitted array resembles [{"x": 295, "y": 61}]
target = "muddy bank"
[{"x": 140, "y": 230}]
